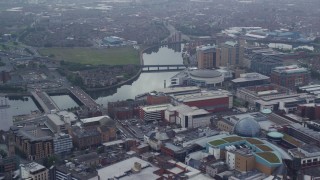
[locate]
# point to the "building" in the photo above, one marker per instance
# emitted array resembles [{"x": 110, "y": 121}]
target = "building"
[
  {"x": 274, "y": 97},
  {"x": 132, "y": 168},
  {"x": 108, "y": 133},
  {"x": 4, "y": 77},
  {"x": 229, "y": 54},
  {"x": 94, "y": 122},
  {"x": 212, "y": 101},
  {"x": 290, "y": 76},
  {"x": 303, "y": 134},
  {"x": 187, "y": 117},
  {"x": 34, "y": 171},
  {"x": 56, "y": 124},
  {"x": 8, "y": 165},
  {"x": 310, "y": 111},
  {"x": 35, "y": 142},
  {"x": 198, "y": 77},
  {"x": 216, "y": 167},
  {"x": 250, "y": 79},
  {"x": 153, "y": 113},
  {"x": 90, "y": 159},
  {"x": 308, "y": 155},
  {"x": 84, "y": 138},
  {"x": 252, "y": 93},
  {"x": 311, "y": 89},
  {"x": 124, "y": 109},
  {"x": 62, "y": 143},
  {"x": 72, "y": 171},
  {"x": 264, "y": 60},
  {"x": 245, "y": 154},
  {"x": 206, "y": 57}
]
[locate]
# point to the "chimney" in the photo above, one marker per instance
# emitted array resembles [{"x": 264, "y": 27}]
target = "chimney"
[{"x": 136, "y": 167}]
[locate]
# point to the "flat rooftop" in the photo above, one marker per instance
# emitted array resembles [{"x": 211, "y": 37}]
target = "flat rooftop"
[
  {"x": 290, "y": 69},
  {"x": 33, "y": 167},
  {"x": 93, "y": 119},
  {"x": 174, "y": 90},
  {"x": 123, "y": 170},
  {"x": 250, "y": 77},
  {"x": 154, "y": 108},
  {"x": 204, "y": 95}
]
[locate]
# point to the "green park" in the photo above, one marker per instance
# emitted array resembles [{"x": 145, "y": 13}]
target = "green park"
[{"x": 94, "y": 56}]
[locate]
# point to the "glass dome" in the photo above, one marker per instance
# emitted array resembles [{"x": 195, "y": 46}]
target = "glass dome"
[{"x": 247, "y": 127}]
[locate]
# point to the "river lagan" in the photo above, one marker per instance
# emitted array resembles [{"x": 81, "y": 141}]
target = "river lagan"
[{"x": 146, "y": 82}]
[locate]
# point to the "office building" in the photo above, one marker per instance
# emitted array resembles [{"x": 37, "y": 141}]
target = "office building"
[{"x": 290, "y": 76}]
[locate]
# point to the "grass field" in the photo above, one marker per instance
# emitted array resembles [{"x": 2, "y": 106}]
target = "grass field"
[{"x": 111, "y": 56}]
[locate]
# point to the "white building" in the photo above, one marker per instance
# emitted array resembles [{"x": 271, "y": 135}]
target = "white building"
[
  {"x": 62, "y": 143},
  {"x": 187, "y": 117},
  {"x": 34, "y": 171},
  {"x": 153, "y": 113},
  {"x": 129, "y": 169}
]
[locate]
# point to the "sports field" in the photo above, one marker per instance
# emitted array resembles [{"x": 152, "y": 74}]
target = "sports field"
[{"x": 110, "y": 56}]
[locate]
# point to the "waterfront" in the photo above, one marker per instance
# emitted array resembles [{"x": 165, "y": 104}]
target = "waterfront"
[
  {"x": 64, "y": 102},
  {"x": 18, "y": 106},
  {"x": 170, "y": 54}
]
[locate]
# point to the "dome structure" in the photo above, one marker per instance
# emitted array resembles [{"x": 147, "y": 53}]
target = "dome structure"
[
  {"x": 205, "y": 73},
  {"x": 205, "y": 77},
  {"x": 247, "y": 127}
]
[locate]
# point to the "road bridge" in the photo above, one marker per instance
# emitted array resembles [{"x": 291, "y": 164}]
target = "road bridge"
[
  {"x": 84, "y": 98},
  {"x": 44, "y": 100},
  {"x": 168, "y": 67}
]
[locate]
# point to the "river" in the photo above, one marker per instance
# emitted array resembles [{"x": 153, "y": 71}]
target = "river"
[{"x": 144, "y": 83}]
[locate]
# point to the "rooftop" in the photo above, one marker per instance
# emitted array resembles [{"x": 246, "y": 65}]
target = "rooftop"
[
  {"x": 269, "y": 156},
  {"x": 33, "y": 167},
  {"x": 174, "y": 90},
  {"x": 94, "y": 119},
  {"x": 123, "y": 170},
  {"x": 35, "y": 133},
  {"x": 205, "y": 73},
  {"x": 204, "y": 95},
  {"x": 250, "y": 77},
  {"x": 290, "y": 69},
  {"x": 56, "y": 119},
  {"x": 153, "y": 108}
]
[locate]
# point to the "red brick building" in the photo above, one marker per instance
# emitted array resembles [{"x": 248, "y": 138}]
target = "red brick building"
[
  {"x": 290, "y": 76},
  {"x": 212, "y": 101}
]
